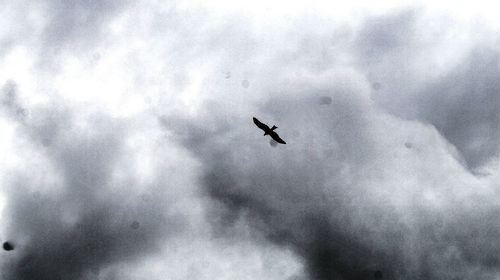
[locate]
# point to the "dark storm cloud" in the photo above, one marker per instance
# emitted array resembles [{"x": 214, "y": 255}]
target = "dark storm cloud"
[
  {"x": 462, "y": 102},
  {"x": 464, "y": 105},
  {"x": 288, "y": 193},
  {"x": 316, "y": 194},
  {"x": 80, "y": 224}
]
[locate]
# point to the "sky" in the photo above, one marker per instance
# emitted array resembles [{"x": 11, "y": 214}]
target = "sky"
[{"x": 128, "y": 150}]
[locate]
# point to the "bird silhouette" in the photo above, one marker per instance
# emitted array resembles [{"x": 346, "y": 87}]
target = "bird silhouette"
[{"x": 268, "y": 131}]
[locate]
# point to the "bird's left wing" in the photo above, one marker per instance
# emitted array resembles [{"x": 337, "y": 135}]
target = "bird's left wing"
[{"x": 260, "y": 125}]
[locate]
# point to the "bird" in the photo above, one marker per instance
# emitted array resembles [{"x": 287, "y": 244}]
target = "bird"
[{"x": 268, "y": 131}]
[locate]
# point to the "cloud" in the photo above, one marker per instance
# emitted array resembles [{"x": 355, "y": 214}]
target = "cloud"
[
  {"x": 384, "y": 37},
  {"x": 52, "y": 28},
  {"x": 11, "y": 103},
  {"x": 375, "y": 180},
  {"x": 463, "y": 106},
  {"x": 82, "y": 208},
  {"x": 416, "y": 78},
  {"x": 106, "y": 197},
  {"x": 352, "y": 200},
  {"x": 72, "y": 22}
]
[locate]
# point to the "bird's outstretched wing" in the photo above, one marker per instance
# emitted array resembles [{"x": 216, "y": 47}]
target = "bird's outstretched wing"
[
  {"x": 276, "y": 137},
  {"x": 260, "y": 125}
]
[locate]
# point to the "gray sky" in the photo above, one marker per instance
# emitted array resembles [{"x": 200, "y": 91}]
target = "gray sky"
[{"x": 128, "y": 149}]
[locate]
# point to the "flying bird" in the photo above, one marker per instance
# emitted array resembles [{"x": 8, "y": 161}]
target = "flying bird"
[{"x": 269, "y": 131}]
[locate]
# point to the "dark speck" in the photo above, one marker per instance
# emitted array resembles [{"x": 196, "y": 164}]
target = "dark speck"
[
  {"x": 273, "y": 143},
  {"x": 408, "y": 145},
  {"x": 135, "y": 225},
  {"x": 376, "y": 86},
  {"x": 325, "y": 100},
  {"x": 378, "y": 274},
  {"x": 228, "y": 75},
  {"x": 245, "y": 83},
  {"x": 7, "y": 246}
]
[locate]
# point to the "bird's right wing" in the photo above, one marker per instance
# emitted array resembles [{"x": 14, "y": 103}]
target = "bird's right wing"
[
  {"x": 277, "y": 138},
  {"x": 260, "y": 125}
]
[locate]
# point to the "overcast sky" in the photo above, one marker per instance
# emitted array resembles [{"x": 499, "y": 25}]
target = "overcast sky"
[{"x": 128, "y": 151}]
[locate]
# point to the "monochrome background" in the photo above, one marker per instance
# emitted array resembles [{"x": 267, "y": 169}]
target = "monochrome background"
[{"x": 128, "y": 151}]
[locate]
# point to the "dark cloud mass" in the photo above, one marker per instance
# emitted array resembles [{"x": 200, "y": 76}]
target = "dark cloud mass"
[
  {"x": 464, "y": 106},
  {"x": 462, "y": 101},
  {"x": 86, "y": 220},
  {"x": 318, "y": 195}
]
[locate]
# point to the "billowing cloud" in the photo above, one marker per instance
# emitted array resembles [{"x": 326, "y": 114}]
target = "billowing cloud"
[
  {"x": 81, "y": 208},
  {"x": 464, "y": 104},
  {"x": 347, "y": 193},
  {"x": 436, "y": 75}
]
